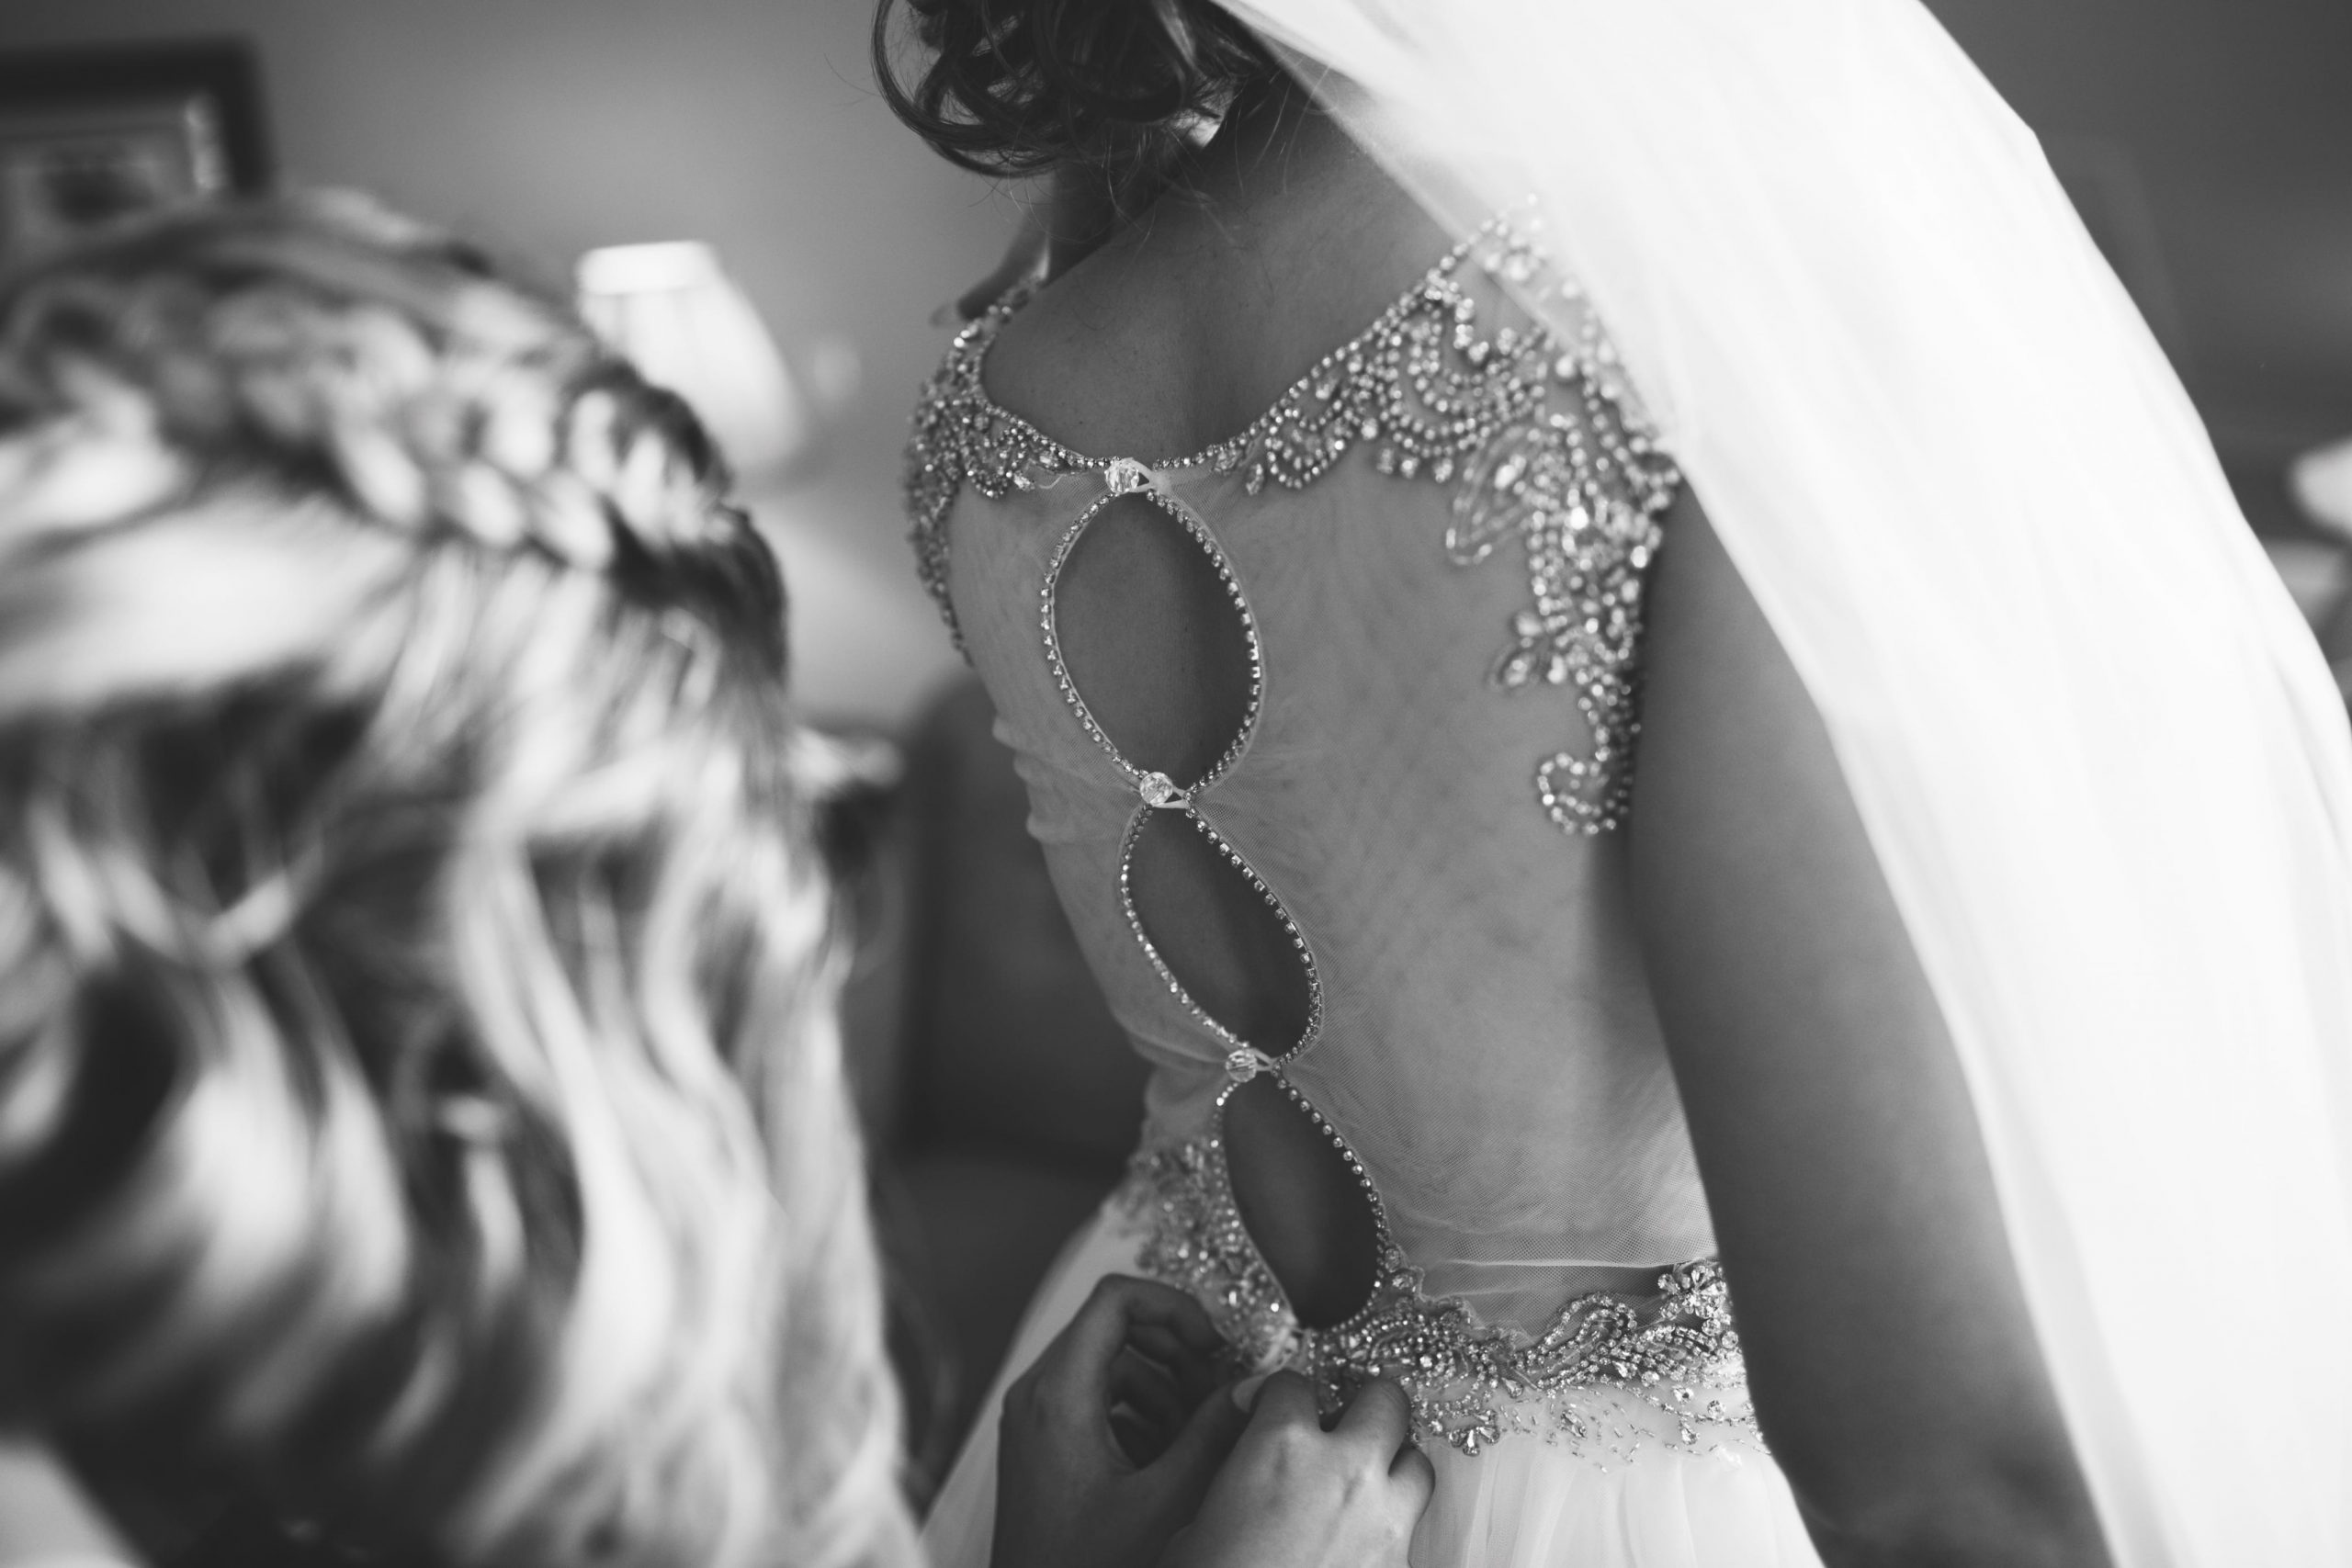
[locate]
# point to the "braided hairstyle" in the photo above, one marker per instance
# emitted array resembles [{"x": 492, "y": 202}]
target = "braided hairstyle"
[
  {"x": 417, "y": 1100},
  {"x": 1115, "y": 87}
]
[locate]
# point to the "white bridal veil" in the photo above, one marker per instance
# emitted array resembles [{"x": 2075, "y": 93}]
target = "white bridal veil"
[{"x": 2100, "y": 759}]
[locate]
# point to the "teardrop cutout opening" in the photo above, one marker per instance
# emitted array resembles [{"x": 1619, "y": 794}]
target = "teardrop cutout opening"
[
  {"x": 1309, "y": 1217},
  {"x": 1154, "y": 638},
  {"x": 1216, "y": 931}
]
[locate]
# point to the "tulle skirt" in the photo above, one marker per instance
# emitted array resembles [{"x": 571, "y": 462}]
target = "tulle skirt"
[{"x": 1524, "y": 1502}]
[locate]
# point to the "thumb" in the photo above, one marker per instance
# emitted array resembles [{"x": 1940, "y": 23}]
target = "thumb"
[{"x": 1182, "y": 1474}]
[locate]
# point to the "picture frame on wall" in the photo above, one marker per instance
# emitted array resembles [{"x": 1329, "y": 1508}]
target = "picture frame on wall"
[{"x": 94, "y": 134}]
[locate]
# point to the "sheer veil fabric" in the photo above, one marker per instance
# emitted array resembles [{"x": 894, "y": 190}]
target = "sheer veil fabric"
[{"x": 2098, "y": 755}]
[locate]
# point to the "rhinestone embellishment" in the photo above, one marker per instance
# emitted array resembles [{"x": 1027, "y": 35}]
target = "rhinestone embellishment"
[
  {"x": 1247, "y": 1063},
  {"x": 1606, "y": 1376},
  {"x": 1539, "y": 438},
  {"x": 1125, "y": 476},
  {"x": 1159, "y": 792},
  {"x": 1541, "y": 443}
]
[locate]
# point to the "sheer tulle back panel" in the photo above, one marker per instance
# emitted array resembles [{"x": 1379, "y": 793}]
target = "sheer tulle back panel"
[
  {"x": 1155, "y": 648},
  {"x": 1351, "y": 729}
]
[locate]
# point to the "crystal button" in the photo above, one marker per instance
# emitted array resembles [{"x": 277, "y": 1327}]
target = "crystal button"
[
  {"x": 1160, "y": 790},
  {"x": 1247, "y": 1063},
  {"x": 1125, "y": 476}
]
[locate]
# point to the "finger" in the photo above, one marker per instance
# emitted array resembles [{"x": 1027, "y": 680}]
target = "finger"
[
  {"x": 1198, "y": 1373},
  {"x": 1169, "y": 1315},
  {"x": 1244, "y": 1393},
  {"x": 1379, "y": 1416},
  {"x": 1414, "y": 1476},
  {"x": 1166, "y": 1344},
  {"x": 1139, "y": 1440},
  {"x": 1285, "y": 1399},
  {"x": 1083, "y": 1352},
  {"x": 1150, "y": 1390},
  {"x": 1182, "y": 1474}
]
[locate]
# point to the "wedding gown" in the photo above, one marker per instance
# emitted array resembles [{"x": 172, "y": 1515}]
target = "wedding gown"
[
  {"x": 1417, "y": 581},
  {"x": 2099, "y": 758}
]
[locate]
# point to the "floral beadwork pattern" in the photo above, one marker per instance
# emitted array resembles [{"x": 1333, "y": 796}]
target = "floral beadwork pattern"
[
  {"x": 1608, "y": 1376},
  {"x": 1537, "y": 437},
  {"x": 959, "y": 436},
  {"x": 1195, "y": 1241},
  {"x": 1582, "y": 486}
]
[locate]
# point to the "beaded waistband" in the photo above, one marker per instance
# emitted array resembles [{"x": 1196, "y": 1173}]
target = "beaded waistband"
[{"x": 1610, "y": 1374}]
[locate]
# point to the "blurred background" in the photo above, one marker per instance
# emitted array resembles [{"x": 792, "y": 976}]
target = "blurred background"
[
  {"x": 544, "y": 129},
  {"x": 2207, "y": 142}
]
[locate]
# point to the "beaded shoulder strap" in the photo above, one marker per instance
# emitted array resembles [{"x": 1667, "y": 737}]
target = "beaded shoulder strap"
[{"x": 1538, "y": 438}]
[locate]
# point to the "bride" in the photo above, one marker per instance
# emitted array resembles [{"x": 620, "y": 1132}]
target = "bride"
[{"x": 1651, "y": 708}]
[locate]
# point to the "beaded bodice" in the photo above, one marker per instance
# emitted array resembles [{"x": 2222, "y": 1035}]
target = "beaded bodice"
[
  {"x": 1579, "y": 490},
  {"x": 1441, "y": 1000}
]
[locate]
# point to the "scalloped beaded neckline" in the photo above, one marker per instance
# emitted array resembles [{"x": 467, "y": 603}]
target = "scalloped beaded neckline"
[{"x": 1536, "y": 434}]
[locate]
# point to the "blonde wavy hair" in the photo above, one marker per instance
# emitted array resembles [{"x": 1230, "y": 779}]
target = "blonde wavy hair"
[{"x": 418, "y": 1097}]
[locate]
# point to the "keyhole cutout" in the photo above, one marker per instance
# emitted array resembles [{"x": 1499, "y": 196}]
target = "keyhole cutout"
[
  {"x": 1226, "y": 945},
  {"x": 1153, "y": 635},
  {"x": 1159, "y": 653},
  {"x": 1310, "y": 1218}
]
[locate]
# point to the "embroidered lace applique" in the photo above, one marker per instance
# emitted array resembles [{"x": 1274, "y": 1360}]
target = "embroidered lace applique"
[
  {"x": 1608, "y": 1375},
  {"x": 1537, "y": 437}
]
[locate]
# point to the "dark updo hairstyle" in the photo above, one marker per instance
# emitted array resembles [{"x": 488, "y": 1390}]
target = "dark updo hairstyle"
[{"x": 1017, "y": 87}]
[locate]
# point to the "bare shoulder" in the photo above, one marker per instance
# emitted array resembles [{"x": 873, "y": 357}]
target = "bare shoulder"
[
  {"x": 1197, "y": 313},
  {"x": 1893, "y": 1364}
]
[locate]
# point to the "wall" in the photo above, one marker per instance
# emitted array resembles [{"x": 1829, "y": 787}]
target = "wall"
[{"x": 2219, "y": 130}]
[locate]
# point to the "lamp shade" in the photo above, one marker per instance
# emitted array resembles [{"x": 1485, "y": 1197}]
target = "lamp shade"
[
  {"x": 2322, "y": 484},
  {"x": 672, "y": 311}
]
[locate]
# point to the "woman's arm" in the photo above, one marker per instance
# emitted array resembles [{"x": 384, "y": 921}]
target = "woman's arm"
[{"x": 1894, "y": 1367}]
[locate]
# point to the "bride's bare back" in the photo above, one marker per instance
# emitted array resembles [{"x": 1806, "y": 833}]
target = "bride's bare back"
[
  {"x": 1187, "y": 322},
  {"x": 1894, "y": 1369}
]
